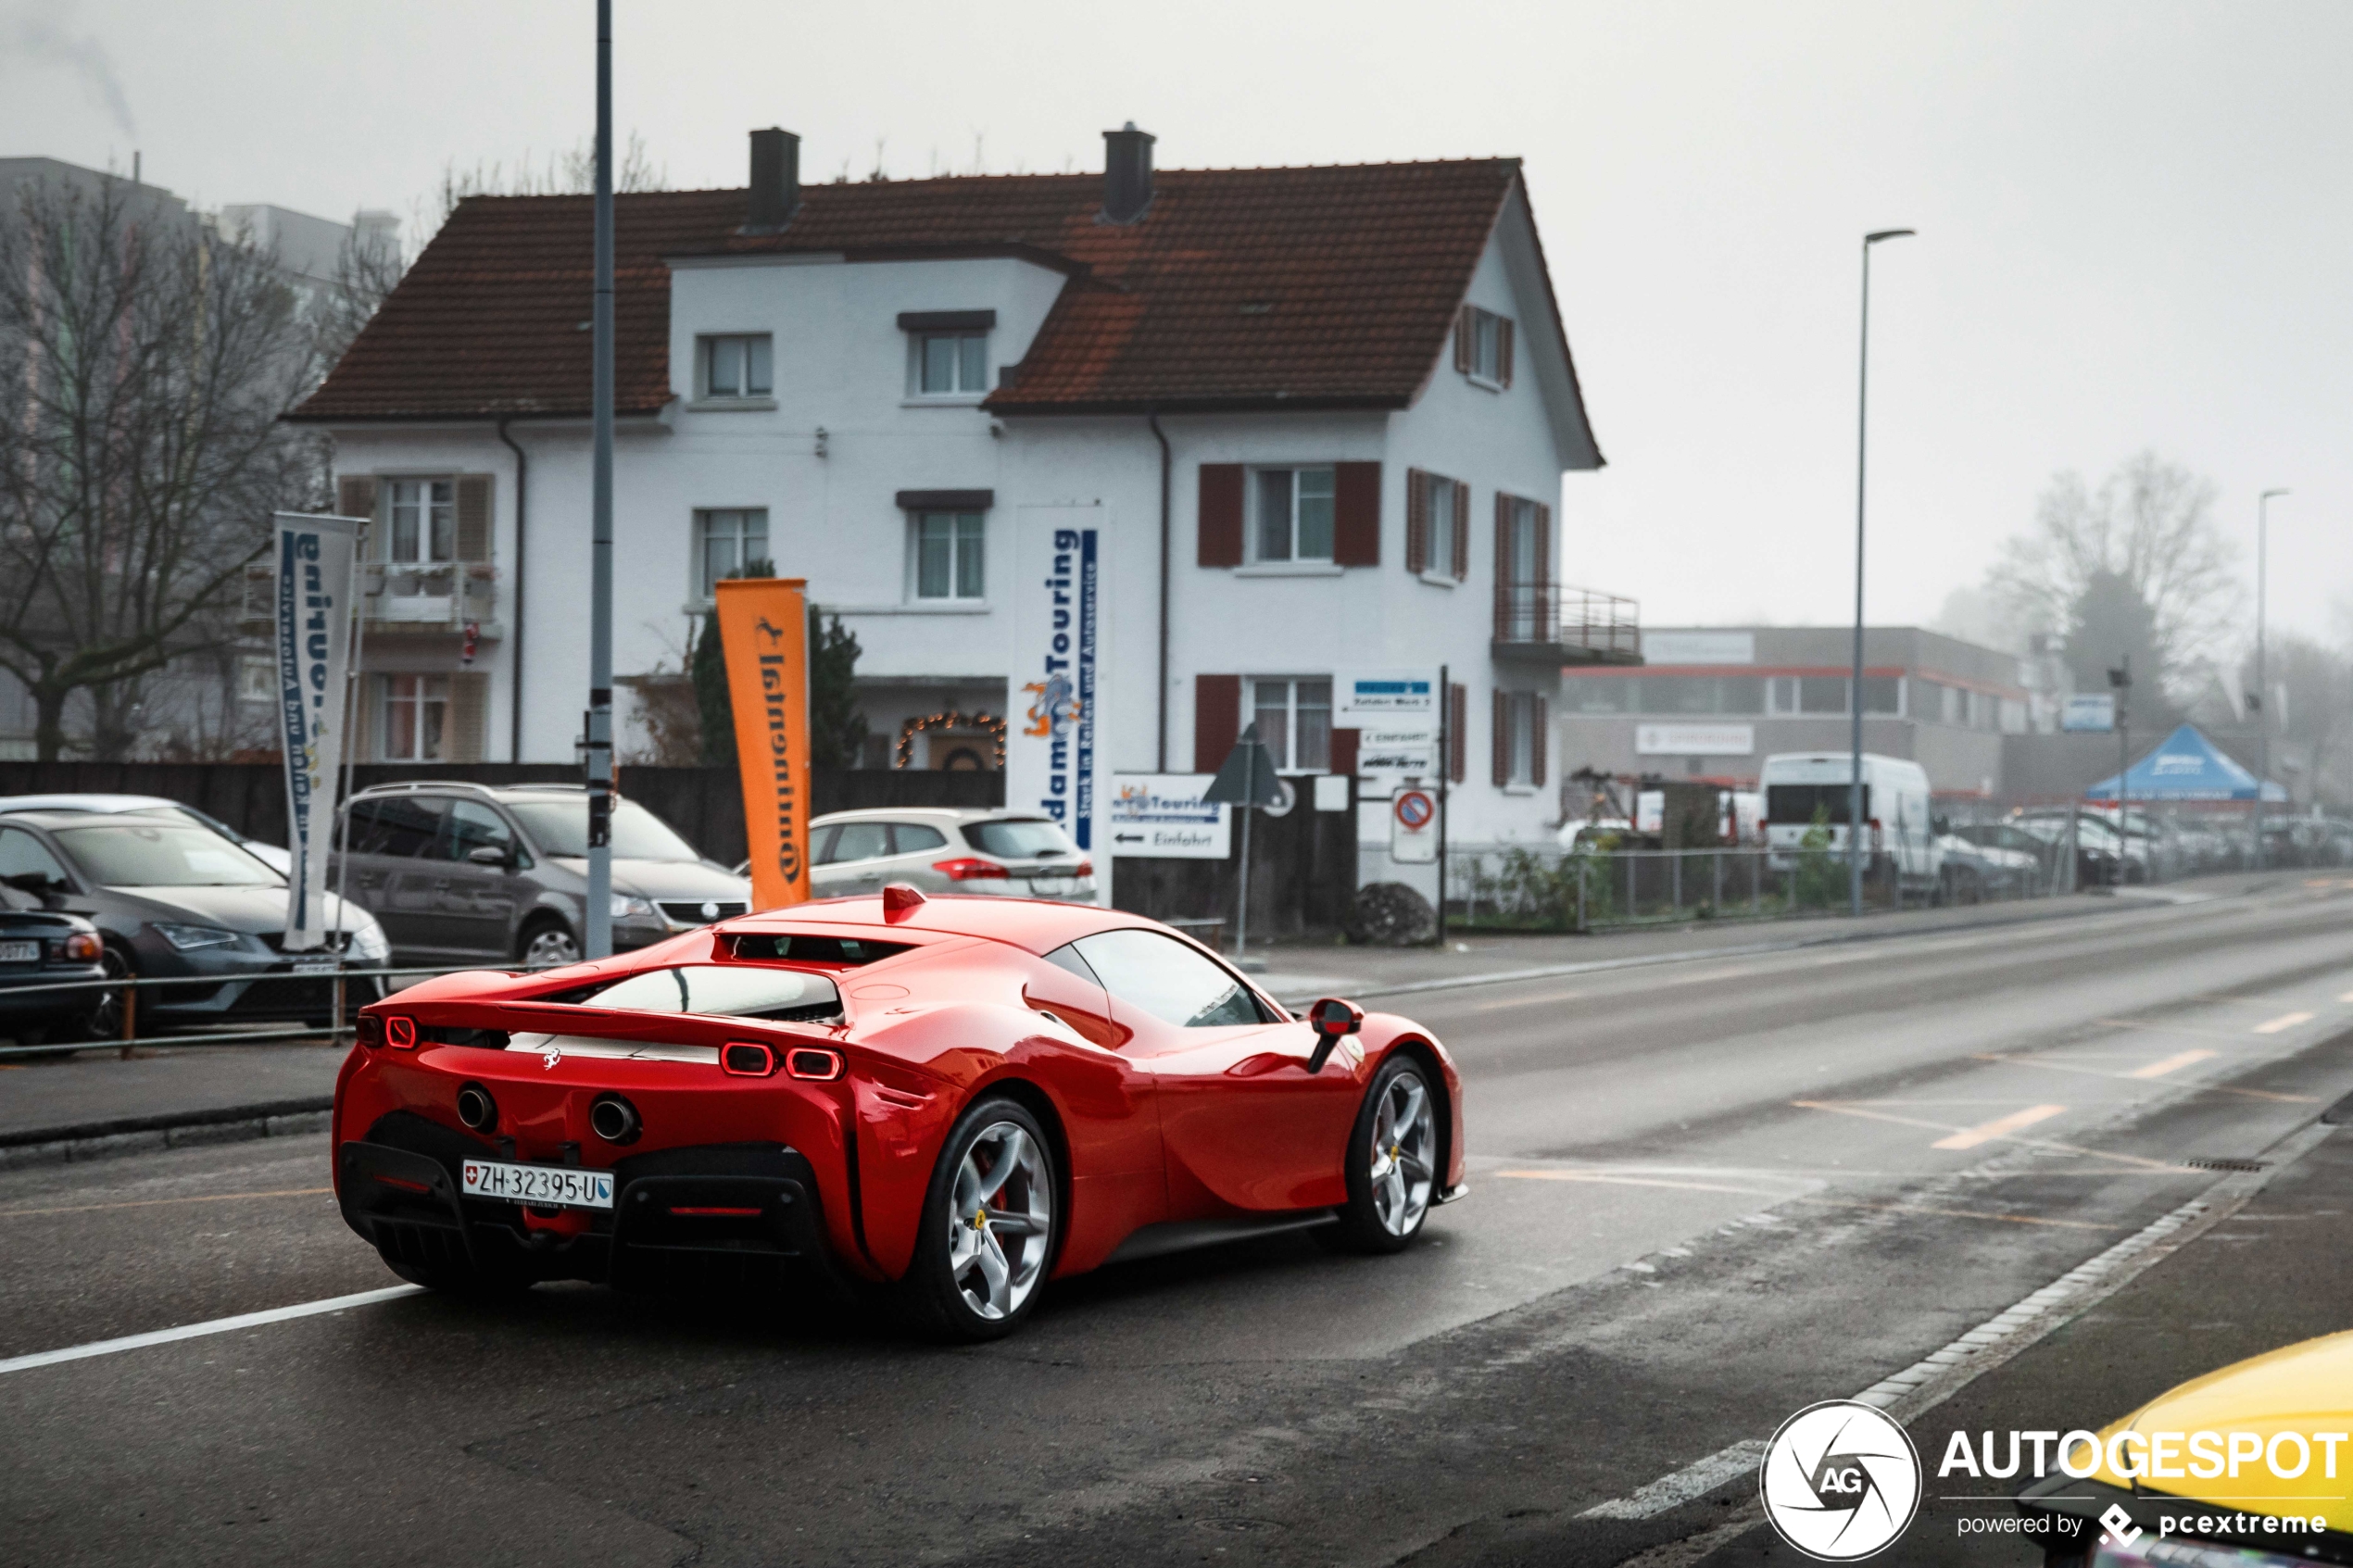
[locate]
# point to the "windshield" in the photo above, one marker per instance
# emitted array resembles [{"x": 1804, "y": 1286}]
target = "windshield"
[
  {"x": 1795, "y": 804},
  {"x": 722, "y": 990},
  {"x": 1019, "y": 839},
  {"x": 560, "y": 827},
  {"x": 134, "y": 854}
]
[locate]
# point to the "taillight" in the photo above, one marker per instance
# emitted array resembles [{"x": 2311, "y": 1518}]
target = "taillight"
[
  {"x": 370, "y": 1030},
  {"x": 746, "y": 1059},
  {"x": 808, "y": 1061},
  {"x": 970, "y": 868},
  {"x": 1084, "y": 867},
  {"x": 400, "y": 1032},
  {"x": 83, "y": 946}
]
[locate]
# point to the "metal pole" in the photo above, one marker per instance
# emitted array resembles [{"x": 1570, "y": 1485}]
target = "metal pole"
[
  {"x": 596, "y": 940},
  {"x": 2262, "y": 697},
  {"x": 1249, "y": 793},
  {"x": 1445, "y": 773},
  {"x": 1855, "y": 685},
  {"x": 351, "y": 690},
  {"x": 2123, "y": 759}
]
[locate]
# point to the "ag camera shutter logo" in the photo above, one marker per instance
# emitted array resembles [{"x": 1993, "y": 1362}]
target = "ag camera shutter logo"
[{"x": 1841, "y": 1481}]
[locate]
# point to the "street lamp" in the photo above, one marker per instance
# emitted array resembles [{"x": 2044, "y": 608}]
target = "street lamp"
[
  {"x": 2262, "y": 720},
  {"x": 1855, "y": 685}
]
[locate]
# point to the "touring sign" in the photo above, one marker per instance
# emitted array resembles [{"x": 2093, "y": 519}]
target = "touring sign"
[
  {"x": 315, "y": 583},
  {"x": 1163, "y": 816},
  {"x": 1057, "y": 750}
]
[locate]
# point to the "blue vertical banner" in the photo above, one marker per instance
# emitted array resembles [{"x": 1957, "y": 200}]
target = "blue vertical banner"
[
  {"x": 1058, "y": 741},
  {"x": 316, "y": 581}
]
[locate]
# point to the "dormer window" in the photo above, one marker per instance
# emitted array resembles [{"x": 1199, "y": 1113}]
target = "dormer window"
[
  {"x": 1484, "y": 346},
  {"x": 948, "y": 351},
  {"x": 735, "y": 365}
]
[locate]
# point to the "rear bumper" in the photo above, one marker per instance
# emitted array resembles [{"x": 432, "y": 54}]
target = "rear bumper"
[{"x": 402, "y": 1190}]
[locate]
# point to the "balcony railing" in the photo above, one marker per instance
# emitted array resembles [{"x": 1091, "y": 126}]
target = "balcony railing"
[
  {"x": 1575, "y": 625},
  {"x": 437, "y": 596}
]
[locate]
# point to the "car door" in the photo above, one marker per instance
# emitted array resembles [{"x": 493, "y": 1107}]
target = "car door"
[
  {"x": 393, "y": 866},
  {"x": 853, "y": 861},
  {"x": 474, "y": 904},
  {"x": 1244, "y": 1124}
]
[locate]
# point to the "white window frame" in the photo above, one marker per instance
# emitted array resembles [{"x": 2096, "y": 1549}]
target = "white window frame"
[
  {"x": 1486, "y": 348},
  {"x": 1286, "y": 753},
  {"x": 959, "y": 539},
  {"x": 759, "y": 363},
  {"x": 1520, "y": 717},
  {"x": 419, "y": 694},
  {"x": 917, "y": 350},
  {"x": 433, "y": 500},
  {"x": 740, "y": 520},
  {"x": 256, "y": 678},
  {"x": 1295, "y": 495},
  {"x": 1437, "y": 553}
]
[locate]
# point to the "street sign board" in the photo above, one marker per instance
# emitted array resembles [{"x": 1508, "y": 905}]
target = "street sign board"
[
  {"x": 1390, "y": 755},
  {"x": 1412, "y": 827},
  {"x": 1403, "y": 700},
  {"x": 1163, "y": 816},
  {"x": 2089, "y": 711}
]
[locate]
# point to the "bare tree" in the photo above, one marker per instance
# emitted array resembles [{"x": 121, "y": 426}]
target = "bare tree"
[
  {"x": 145, "y": 363},
  {"x": 2309, "y": 709},
  {"x": 568, "y": 173},
  {"x": 2150, "y": 525}
]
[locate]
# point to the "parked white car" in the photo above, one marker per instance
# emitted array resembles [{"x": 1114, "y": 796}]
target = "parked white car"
[
  {"x": 939, "y": 850},
  {"x": 270, "y": 855}
]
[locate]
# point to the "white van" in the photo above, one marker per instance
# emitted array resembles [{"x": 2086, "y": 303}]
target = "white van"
[{"x": 1797, "y": 785}]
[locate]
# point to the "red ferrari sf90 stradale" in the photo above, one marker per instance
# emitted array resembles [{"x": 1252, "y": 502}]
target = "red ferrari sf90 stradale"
[{"x": 949, "y": 1098}]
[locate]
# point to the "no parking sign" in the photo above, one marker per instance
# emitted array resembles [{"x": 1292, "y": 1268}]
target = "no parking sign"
[{"x": 1413, "y": 826}]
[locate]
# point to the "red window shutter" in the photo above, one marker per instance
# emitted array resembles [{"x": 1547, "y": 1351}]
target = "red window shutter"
[
  {"x": 1217, "y": 720},
  {"x": 1416, "y": 521},
  {"x": 1457, "y": 747},
  {"x": 356, "y": 495},
  {"x": 1344, "y": 751},
  {"x": 1503, "y": 350},
  {"x": 1501, "y": 751},
  {"x": 1465, "y": 331},
  {"x": 1220, "y": 525},
  {"x": 1540, "y": 741},
  {"x": 1462, "y": 532},
  {"x": 1356, "y": 514}
]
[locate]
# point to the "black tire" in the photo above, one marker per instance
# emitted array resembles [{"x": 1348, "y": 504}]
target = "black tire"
[
  {"x": 545, "y": 931},
  {"x": 1364, "y": 1224},
  {"x": 934, "y": 1295},
  {"x": 102, "y": 1019}
]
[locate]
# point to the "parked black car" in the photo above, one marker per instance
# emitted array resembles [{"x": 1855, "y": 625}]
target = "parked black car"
[
  {"x": 468, "y": 874},
  {"x": 44, "y": 948},
  {"x": 171, "y": 898}
]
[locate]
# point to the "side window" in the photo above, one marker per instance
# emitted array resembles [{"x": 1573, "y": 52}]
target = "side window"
[
  {"x": 821, "y": 845},
  {"x": 472, "y": 826},
  {"x": 400, "y": 825},
  {"x": 21, "y": 855},
  {"x": 861, "y": 841},
  {"x": 1168, "y": 980},
  {"x": 1066, "y": 957},
  {"x": 911, "y": 838}
]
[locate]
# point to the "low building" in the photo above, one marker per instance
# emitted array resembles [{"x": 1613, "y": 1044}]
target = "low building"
[{"x": 1712, "y": 703}]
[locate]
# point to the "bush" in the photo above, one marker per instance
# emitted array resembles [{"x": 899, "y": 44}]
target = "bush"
[{"x": 1390, "y": 914}]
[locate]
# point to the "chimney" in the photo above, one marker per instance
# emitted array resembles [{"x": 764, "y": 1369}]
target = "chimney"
[
  {"x": 776, "y": 181},
  {"x": 1128, "y": 174}
]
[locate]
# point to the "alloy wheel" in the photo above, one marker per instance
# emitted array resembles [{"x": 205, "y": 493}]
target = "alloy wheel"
[
  {"x": 1000, "y": 1221},
  {"x": 1404, "y": 1154},
  {"x": 550, "y": 948}
]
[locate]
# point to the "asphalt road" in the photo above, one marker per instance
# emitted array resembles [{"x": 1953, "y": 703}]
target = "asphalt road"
[{"x": 1705, "y": 1196}]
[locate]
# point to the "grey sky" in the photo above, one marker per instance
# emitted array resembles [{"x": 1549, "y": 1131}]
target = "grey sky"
[{"x": 2133, "y": 216}]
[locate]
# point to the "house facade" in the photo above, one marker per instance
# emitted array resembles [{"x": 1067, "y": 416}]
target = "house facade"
[{"x": 1322, "y": 414}]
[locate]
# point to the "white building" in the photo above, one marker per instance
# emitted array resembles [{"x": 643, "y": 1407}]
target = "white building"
[{"x": 1324, "y": 413}]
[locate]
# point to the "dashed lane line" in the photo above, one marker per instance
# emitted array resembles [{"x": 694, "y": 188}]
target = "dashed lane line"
[
  {"x": 2048, "y": 1066},
  {"x": 2001, "y": 1126},
  {"x": 1844, "y": 1108},
  {"x": 2284, "y": 1021},
  {"x": 2173, "y": 1063},
  {"x": 198, "y": 1329}
]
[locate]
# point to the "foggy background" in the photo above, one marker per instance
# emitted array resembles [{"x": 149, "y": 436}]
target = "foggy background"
[{"x": 2133, "y": 225}]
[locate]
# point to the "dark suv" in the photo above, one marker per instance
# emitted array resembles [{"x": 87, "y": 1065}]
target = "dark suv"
[{"x": 469, "y": 873}]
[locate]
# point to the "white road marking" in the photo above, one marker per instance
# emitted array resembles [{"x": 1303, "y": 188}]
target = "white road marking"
[
  {"x": 2171, "y": 1064},
  {"x": 2284, "y": 1021},
  {"x": 198, "y": 1329},
  {"x": 2001, "y": 1126},
  {"x": 1695, "y": 1480}
]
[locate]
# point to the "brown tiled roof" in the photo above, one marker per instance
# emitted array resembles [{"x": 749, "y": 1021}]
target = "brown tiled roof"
[{"x": 1330, "y": 287}]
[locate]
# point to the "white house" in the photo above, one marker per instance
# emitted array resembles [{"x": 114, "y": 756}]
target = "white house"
[{"x": 1323, "y": 412}]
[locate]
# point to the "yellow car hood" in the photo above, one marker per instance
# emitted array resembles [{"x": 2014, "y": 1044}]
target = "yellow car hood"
[{"x": 2304, "y": 1388}]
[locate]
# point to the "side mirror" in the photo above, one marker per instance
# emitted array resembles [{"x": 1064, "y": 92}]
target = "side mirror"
[
  {"x": 490, "y": 855},
  {"x": 1331, "y": 1019}
]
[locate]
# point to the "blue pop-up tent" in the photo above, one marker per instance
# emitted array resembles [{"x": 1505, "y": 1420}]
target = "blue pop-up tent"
[{"x": 2187, "y": 767}]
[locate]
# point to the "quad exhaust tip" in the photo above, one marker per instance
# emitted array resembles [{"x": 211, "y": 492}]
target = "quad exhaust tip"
[
  {"x": 476, "y": 1109},
  {"x": 614, "y": 1120}
]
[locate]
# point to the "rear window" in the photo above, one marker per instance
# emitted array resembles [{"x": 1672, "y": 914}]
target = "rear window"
[
  {"x": 1795, "y": 804},
  {"x": 719, "y": 990},
  {"x": 1019, "y": 838}
]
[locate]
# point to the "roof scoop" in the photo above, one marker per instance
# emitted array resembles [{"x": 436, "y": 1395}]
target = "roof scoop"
[{"x": 902, "y": 900}]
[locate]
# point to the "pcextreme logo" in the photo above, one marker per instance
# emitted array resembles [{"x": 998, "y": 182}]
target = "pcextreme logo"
[{"x": 1841, "y": 1481}]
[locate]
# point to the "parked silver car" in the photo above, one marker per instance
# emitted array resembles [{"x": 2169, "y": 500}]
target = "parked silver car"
[
  {"x": 1018, "y": 854},
  {"x": 471, "y": 873},
  {"x": 271, "y": 855}
]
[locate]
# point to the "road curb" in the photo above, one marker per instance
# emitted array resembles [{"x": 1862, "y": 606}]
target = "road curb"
[{"x": 149, "y": 1135}]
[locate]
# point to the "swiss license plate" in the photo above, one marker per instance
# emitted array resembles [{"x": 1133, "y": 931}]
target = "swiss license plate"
[
  {"x": 19, "y": 952},
  {"x": 314, "y": 966},
  {"x": 1049, "y": 887},
  {"x": 564, "y": 1186}
]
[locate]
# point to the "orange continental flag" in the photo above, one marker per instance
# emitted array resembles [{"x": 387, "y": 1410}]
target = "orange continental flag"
[{"x": 764, "y": 631}]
